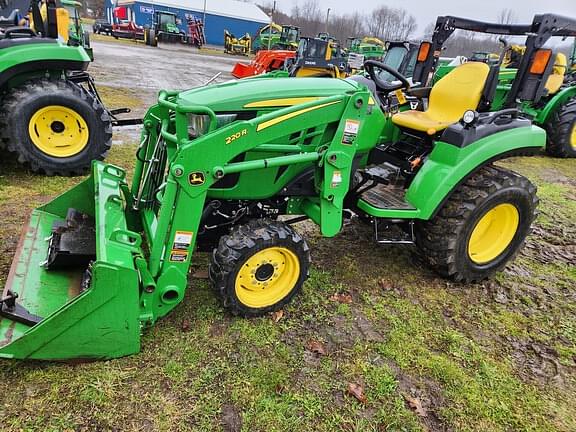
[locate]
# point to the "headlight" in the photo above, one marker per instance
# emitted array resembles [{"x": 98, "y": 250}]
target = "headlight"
[
  {"x": 198, "y": 124},
  {"x": 470, "y": 117}
]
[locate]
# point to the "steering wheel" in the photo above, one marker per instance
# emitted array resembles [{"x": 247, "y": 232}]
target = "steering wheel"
[{"x": 385, "y": 86}]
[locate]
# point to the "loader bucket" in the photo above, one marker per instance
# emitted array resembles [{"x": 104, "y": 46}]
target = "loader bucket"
[
  {"x": 243, "y": 70},
  {"x": 84, "y": 304}
]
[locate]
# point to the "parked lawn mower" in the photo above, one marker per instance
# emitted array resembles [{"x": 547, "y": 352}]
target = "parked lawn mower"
[
  {"x": 51, "y": 116},
  {"x": 551, "y": 104},
  {"x": 217, "y": 166},
  {"x": 237, "y": 46}
]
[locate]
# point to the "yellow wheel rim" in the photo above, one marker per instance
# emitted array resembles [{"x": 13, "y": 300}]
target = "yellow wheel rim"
[
  {"x": 58, "y": 131},
  {"x": 493, "y": 233},
  {"x": 267, "y": 277},
  {"x": 573, "y": 137}
]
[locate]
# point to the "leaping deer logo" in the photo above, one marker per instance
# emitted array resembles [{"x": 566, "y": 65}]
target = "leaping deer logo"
[{"x": 196, "y": 178}]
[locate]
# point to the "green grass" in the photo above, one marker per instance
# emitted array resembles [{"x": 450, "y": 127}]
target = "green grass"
[{"x": 487, "y": 357}]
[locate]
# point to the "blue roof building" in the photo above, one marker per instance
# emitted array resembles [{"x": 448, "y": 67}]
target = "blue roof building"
[{"x": 235, "y": 16}]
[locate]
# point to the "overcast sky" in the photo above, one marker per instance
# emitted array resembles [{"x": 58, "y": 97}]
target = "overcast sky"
[{"x": 426, "y": 11}]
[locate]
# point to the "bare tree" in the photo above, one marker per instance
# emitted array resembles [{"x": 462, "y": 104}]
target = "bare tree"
[
  {"x": 507, "y": 16},
  {"x": 384, "y": 22},
  {"x": 391, "y": 23}
]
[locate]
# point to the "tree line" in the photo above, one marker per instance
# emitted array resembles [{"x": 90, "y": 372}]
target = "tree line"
[{"x": 384, "y": 22}]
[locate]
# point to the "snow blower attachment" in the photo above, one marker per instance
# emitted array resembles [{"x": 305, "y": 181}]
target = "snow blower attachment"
[{"x": 105, "y": 260}]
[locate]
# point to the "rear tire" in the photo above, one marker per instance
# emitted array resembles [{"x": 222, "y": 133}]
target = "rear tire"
[
  {"x": 259, "y": 267},
  {"x": 481, "y": 227},
  {"x": 561, "y": 131},
  {"x": 153, "y": 38},
  {"x": 56, "y": 127}
]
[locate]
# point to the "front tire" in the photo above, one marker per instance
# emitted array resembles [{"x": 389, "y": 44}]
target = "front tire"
[
  {"x": 481, "y": 227},
  {"x": 259, "y": 267},
  {"x": 153, "y": 38},
  {"x": 56, "y": 127},
  {"x": 561, "y": 131}
]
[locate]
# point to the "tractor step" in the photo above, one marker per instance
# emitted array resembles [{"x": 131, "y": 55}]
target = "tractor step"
[{"x": 390, "y": 196}]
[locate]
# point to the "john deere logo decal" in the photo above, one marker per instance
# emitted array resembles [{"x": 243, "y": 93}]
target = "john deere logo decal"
[{"x": 196, "y": 178}]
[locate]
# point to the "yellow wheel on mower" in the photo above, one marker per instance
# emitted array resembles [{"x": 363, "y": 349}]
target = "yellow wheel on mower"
[{"x": 259, "y": 267}]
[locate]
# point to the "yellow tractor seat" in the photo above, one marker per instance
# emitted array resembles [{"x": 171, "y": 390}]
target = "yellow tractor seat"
[
  {"x": 556, "y": 78},
  {"x": 456, "y": 93}
]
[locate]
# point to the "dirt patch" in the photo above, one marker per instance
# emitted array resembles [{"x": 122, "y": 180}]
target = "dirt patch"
[
  {"x": 231, "y": 418},
  {"x": 539, "y": 363},
  {"x": 422, "y": 395}
]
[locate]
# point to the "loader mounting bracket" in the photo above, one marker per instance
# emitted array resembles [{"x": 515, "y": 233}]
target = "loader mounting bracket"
[{"x": 10, "y": 309}]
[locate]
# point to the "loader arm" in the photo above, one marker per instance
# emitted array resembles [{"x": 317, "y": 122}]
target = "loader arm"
[{"x": 174, "y": 175}]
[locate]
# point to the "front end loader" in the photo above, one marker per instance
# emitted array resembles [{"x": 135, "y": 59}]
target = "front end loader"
[
  {"x": 264, "y": 62},
  {"x": 231, "y": 174}
]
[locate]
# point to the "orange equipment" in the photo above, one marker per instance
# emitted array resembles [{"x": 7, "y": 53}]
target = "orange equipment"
[{"x": 265, "y": 61}]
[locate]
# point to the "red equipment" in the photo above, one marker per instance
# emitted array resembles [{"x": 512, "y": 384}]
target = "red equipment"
[
  {"x": 196, "y": 32},
  {"x": 127, "y": 30},
  {"x": 265, "y": 61}
]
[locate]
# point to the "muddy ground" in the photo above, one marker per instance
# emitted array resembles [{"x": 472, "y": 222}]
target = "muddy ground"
[
  {"x": 145, "y": 70},
  {"x": 375, "y": 342}
]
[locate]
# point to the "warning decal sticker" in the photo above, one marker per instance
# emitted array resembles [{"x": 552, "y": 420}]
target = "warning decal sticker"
[
  {"x": 182, "y": 240},
  {"x": 350, "y": 131}
]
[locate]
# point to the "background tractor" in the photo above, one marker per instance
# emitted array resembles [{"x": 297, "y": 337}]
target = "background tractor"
[
  {"x": 76, "y": 33},
  {"x": 551, "y": 104},
  {"x": 571, "y": 76},
  {"x": 318, "y": 57},
  {"x": 163, "y": 28},
  {"x": 229, "y": 168},
  {"x": 369, "y": 47},
  {"x": 276, "y": 37},
  {"x": 50, "y": 116}
]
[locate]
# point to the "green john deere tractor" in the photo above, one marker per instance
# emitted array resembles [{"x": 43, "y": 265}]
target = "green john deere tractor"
[
  {"x": 228, "y": 168},
  {"x": 276, "y": 37},
  {"x": 51, "y": 117},
  {"x": 552, "y": 106},
  {"x": 369, "y": 47},
  {"x": 164, "y": 28},
  {"x": 76, "y": 34}
]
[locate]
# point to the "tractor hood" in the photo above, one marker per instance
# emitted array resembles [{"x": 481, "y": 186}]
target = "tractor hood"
[{"x": 258, "y": 93}]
